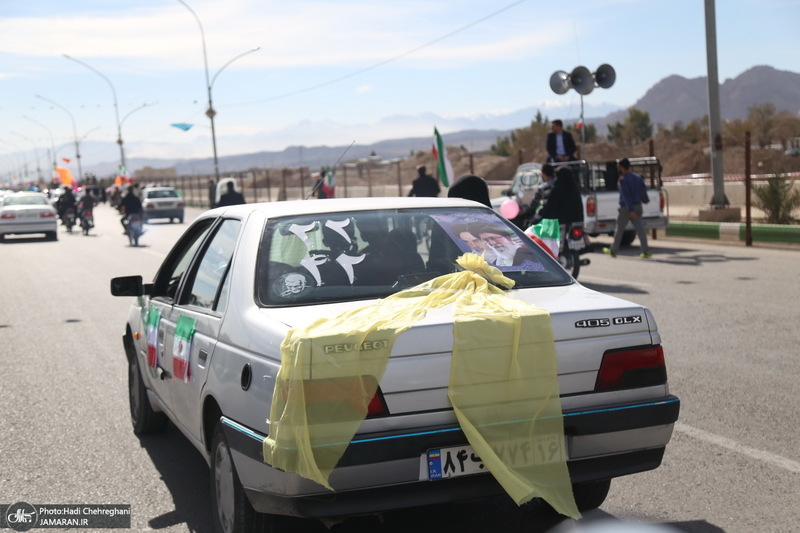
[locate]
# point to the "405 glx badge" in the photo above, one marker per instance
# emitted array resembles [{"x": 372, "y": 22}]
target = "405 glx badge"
[{"x": 607, "y": 322}]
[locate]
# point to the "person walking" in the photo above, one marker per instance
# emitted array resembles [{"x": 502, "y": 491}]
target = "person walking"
[
  {"x": 425, "y": 184},
  {"x": 631, "y": 191}
]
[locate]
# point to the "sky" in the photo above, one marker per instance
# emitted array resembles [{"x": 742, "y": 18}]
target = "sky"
[{"x": 333, "y": 72}]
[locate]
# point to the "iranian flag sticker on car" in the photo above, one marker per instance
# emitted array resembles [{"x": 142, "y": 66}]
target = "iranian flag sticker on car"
[
  {"x": 181, "y": 348},
  {"x": 153, "y": 319}
]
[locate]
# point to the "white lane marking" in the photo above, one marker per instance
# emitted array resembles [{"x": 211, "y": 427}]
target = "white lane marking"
[{"x": 761, "y": 455}]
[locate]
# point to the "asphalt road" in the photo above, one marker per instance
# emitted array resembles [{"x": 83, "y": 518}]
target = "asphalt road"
[{"x": 728, "y": 317}]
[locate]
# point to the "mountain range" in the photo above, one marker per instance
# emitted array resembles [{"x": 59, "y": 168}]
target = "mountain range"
[{"x": 673, "y": 99}]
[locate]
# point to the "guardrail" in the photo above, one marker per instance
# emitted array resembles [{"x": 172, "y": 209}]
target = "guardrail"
[{"x": 735, "y": 231}]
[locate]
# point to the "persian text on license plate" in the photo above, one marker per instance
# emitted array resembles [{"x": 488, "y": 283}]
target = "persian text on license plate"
[
  {"x": 576, "y": 244},
  {"x": 457, "y": 461}
]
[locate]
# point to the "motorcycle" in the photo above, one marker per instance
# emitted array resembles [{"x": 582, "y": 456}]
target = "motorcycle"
[
  {"x": 87, "y": 222},
  {"x": 574, "y": 243},
  {"x": 133, "y": 225},
  {"x": 69, "y": 219}
]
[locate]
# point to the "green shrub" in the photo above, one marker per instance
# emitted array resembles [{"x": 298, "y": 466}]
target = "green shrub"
[{"x": 778, "y": 198}]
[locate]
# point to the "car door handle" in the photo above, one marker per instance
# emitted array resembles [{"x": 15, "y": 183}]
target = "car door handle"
[{"x": 201, "y": 358}]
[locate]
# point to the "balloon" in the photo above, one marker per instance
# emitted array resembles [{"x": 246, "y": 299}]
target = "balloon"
[{"x": 509, "y": 209}]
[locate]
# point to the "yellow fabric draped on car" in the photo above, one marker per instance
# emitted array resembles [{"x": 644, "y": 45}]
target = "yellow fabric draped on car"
[{"x": 503, "y": 383}]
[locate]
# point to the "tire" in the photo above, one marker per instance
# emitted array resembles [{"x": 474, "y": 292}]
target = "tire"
[
  {"x": 144, "y": 419},
  {"x": 570, "y": 260},
  {"x": 231, "y": 510},
  {"x": 591, "y": 495},
  {"x": 628, "y": 237}
]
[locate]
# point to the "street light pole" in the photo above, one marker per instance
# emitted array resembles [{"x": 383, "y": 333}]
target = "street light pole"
[
  {"x": 210, "y": 112},
  {"x": 74, "y": 131},
  {"x": 116, "y": 108}
]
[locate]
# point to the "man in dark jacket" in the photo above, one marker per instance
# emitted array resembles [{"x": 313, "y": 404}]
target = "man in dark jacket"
[
  {"x": 130, "y": 205},
  {"x": 560, "y": 144},
  {"x": 425, "y": 184},
  {"x": 232, "y": 197}
]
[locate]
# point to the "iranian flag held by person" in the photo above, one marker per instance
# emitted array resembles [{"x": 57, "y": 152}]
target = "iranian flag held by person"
[
  {"x": 182, "y": 348},
  {"x": 446, "y": 174}
]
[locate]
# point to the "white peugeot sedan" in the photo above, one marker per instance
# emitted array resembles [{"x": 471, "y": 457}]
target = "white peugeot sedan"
[{"x": 257, "y": 302}]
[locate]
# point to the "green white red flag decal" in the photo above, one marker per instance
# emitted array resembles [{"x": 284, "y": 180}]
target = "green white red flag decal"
[
  {"x": 182, "y": 348},
  {"x": 153, "y": 319},
  {"x": 446, "y": 174}
]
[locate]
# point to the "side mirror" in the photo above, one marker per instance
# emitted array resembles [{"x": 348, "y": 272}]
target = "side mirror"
[{"x": 127, "y": 286}]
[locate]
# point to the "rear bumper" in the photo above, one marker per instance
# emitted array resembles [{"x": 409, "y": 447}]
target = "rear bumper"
[
  {"x": 29, "y": 227},
  {"x": 388, "y": 471},
  {"x": 163, "y": 213},
  {"x": 594, "y": 227}
]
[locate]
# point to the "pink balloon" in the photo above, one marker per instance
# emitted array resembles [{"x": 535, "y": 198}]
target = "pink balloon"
[{"x": 509, "y": 209}]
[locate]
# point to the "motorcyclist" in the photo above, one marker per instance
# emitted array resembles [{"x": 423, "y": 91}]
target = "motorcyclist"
[
  {"x": 530, "y": 215},
  {"x": 130, "y": 205},
  {"x": 86, "y": 204},
  {"x": 65, "y": 201}
]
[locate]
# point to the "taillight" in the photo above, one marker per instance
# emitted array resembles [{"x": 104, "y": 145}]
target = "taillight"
[
  {"x": 631, "y": 368},
  {"x": 591, "y": 205},
  {"x": 662, "y": 200},
  {"x": 8, "y": 216},
  {"x": 576, "y": 234},
  {"x": 148, "y": 205},
  {"x": 180, "y": 204},
  {"x": 336, "y": 395},
  {"x": 47, "y": 214}
]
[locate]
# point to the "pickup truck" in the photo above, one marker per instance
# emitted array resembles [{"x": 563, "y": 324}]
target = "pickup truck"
[{"x": 598, "y": 184}]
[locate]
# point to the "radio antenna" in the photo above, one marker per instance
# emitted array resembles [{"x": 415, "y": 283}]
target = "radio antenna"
[{"x": 319, "y": 182}]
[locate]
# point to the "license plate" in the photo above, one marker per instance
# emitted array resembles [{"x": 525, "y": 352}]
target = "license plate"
[
  {"x": 576, "y": 244},
  {"x": 444, "y": 463}
]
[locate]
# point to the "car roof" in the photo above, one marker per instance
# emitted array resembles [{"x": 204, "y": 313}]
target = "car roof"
[{"x": 296, "y": 207}]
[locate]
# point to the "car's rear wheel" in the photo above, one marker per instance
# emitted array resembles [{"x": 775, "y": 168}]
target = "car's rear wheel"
[
  {"x": 231, "y": 508},
  {"x": 591, "y": 495},
  {"x": 144, "y": 419}
]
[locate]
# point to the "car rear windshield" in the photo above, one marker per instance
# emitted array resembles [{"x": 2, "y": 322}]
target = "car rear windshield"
[
  {"x": 162, "y": 194},
  {"x": 334, "y": 257},
  {"x": 26, "y": 199}
]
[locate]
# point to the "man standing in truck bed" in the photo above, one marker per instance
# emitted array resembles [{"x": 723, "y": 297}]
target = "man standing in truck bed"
[
  {"x": 631, "y": 191},
  {"x": 560, "y": 144}
]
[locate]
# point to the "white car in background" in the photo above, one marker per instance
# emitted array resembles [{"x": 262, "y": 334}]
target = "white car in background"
[
  {"x": 245, "y": 276},
  {"x": 24, "y": 213},
  {"x": 162, "y": 202}
]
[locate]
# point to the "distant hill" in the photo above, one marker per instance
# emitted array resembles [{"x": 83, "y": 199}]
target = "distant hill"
[
  {"x": 678, "y": 99},
  {"x": 673, "y": 99}
]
